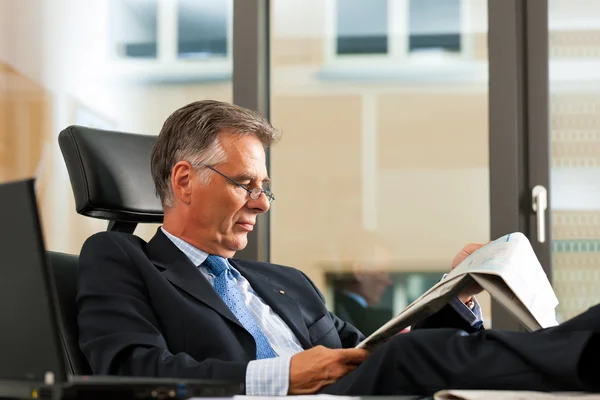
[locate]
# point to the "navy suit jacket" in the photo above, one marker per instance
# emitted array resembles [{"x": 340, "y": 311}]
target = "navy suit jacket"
[{"x": 145, "y": 310}]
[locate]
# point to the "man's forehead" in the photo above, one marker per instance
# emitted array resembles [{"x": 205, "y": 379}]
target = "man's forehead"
[
  {"x": 246, "y": 165},
  {"x": 246, "y": 145},
  {"x": 248, "y": 160}
]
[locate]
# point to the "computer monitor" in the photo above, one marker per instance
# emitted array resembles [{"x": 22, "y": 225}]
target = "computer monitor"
[{"x": 30, "y": 345}]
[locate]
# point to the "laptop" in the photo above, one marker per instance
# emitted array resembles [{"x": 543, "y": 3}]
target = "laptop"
[{"x": 33, "y": 363}]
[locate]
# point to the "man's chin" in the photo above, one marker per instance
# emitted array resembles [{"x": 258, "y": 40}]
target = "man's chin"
[{"x": 239, "y": 243}]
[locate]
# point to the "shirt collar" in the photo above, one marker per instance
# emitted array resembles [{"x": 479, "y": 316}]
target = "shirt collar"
[{"x": 196, "y": 256}]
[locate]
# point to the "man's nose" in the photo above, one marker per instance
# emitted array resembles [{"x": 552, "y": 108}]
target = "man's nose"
[{"x": 260, "y": 205}]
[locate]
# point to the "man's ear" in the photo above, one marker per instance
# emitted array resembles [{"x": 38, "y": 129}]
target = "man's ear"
[{"x": 181, "y": 181}]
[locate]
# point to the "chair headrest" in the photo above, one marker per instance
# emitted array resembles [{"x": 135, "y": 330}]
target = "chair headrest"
[{"x": 110, "y": 174}]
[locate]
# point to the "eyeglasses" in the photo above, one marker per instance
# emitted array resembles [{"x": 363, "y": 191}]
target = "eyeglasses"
[{"x": 254, "y": 192}]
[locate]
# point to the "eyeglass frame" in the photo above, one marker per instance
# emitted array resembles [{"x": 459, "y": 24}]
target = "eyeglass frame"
[{"x": 251, "y": 192}]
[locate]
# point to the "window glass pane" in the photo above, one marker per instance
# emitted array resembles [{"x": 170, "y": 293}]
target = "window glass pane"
[
  {"x": 362, "y": 26},
  {"x": 368, "y": 299},
  {"x": 202, "y": 28},
  {"x": 574, "y": 40},
  {"x": 382, "y": 166},
  {"x": 133, "y": 28},
  {"x": 434, "y": 25},
  {"x": 72, "y": 77}
]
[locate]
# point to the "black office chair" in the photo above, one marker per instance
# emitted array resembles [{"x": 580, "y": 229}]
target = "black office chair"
[
  {"x": 110, "y": 176},
  {"x": 111, "y": 180},
  {"x": 64, "y": 268}
]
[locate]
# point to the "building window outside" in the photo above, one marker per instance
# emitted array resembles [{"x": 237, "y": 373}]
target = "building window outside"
[
  {"x": 434, "y": 25},
  {"x": 202, "y": 28},
  {"x": 133, "y": 27},
  {"x": 396, "y": 28},
  {"x": 362, "y": 27},
  {"x": 172, "y": 29}
]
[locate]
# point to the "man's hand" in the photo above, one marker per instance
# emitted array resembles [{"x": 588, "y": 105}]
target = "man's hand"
[
  {"x": 467, "y": 294},
  {"x": 315, "y": 368},
  {"x": 466, "y": 252}
]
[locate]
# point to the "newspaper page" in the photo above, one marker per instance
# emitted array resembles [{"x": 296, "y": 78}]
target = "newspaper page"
[
  {"x": 512, "y": 258},
  {"x": 509, "y": 270},
  {"x": 500, "y": 292},
  {"x": 429, "y": 303}
]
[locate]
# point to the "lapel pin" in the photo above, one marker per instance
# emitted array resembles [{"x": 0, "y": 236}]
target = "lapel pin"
[{"x": 281, "y": 292}]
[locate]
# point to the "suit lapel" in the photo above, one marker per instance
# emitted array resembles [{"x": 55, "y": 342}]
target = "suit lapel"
[
  {"x": 179, "y": 270},
  {"x": 276, "y": 297}
]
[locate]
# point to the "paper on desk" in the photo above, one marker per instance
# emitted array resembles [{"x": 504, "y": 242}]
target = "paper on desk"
[
  {"x": 307, "y": 397},
  {"x": 511, "y": 395}
]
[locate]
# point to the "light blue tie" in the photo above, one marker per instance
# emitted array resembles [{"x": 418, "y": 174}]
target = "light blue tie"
[{"x": 232, "y": 296}]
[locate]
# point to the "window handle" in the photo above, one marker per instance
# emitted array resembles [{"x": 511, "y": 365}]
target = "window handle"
[{"x": 539, "y": 201}]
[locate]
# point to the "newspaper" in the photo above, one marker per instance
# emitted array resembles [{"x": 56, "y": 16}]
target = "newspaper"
[{"x": 507, "y": 268}]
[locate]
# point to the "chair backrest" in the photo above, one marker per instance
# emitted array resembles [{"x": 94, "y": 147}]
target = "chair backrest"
[
  {"x": 110, "y": 177},
  {"x": 64, "y": 269}
]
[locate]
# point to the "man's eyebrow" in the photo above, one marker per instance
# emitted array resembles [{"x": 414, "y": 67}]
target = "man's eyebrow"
[{"x": 249, "y": 177}]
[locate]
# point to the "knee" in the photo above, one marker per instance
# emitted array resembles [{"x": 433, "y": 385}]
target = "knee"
[{"x": 420, "y": 342}]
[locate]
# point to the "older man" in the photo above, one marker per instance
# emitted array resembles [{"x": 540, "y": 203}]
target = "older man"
[{"x": 181, "y": 306}]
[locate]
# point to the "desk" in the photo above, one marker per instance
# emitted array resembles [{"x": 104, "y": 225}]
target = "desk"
[{"x": 22, "y": 390}]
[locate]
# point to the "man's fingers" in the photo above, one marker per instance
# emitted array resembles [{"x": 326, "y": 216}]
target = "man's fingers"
[
  {"x": 354, "y": 356},
  {"x": 350, "y": 368},
  {"x": 341, "y": 371},
  {"x": 466, "y": 252},
  {"x": 312, "y": 369}
]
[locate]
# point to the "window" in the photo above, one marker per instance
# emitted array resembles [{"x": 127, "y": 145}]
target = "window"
[
  {"x": 369, "y": 299},
  {"x": 134, "y": 28},
  {"x": 396, "y": 28},
  {"x": 168, "y": 30},
  {"x": 202, "y": 28},
  {"x": 434, "y": 25},
  {"x": 362, "y": 27},
  {"x": 368, "y": 130}
]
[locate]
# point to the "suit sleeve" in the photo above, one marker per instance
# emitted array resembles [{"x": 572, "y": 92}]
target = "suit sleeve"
[
  {"x": 118, "y": 330},
  {"x": 349, "y": 335}
]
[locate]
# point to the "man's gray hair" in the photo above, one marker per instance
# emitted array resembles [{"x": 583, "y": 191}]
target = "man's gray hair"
[{"x": 192, "y": 134}]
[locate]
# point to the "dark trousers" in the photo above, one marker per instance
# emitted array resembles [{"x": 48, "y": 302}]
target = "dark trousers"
[{"x": 564, "y": 358}]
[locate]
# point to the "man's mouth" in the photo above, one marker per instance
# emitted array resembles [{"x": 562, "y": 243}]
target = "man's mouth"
[{"x": 246, "y": 225}]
